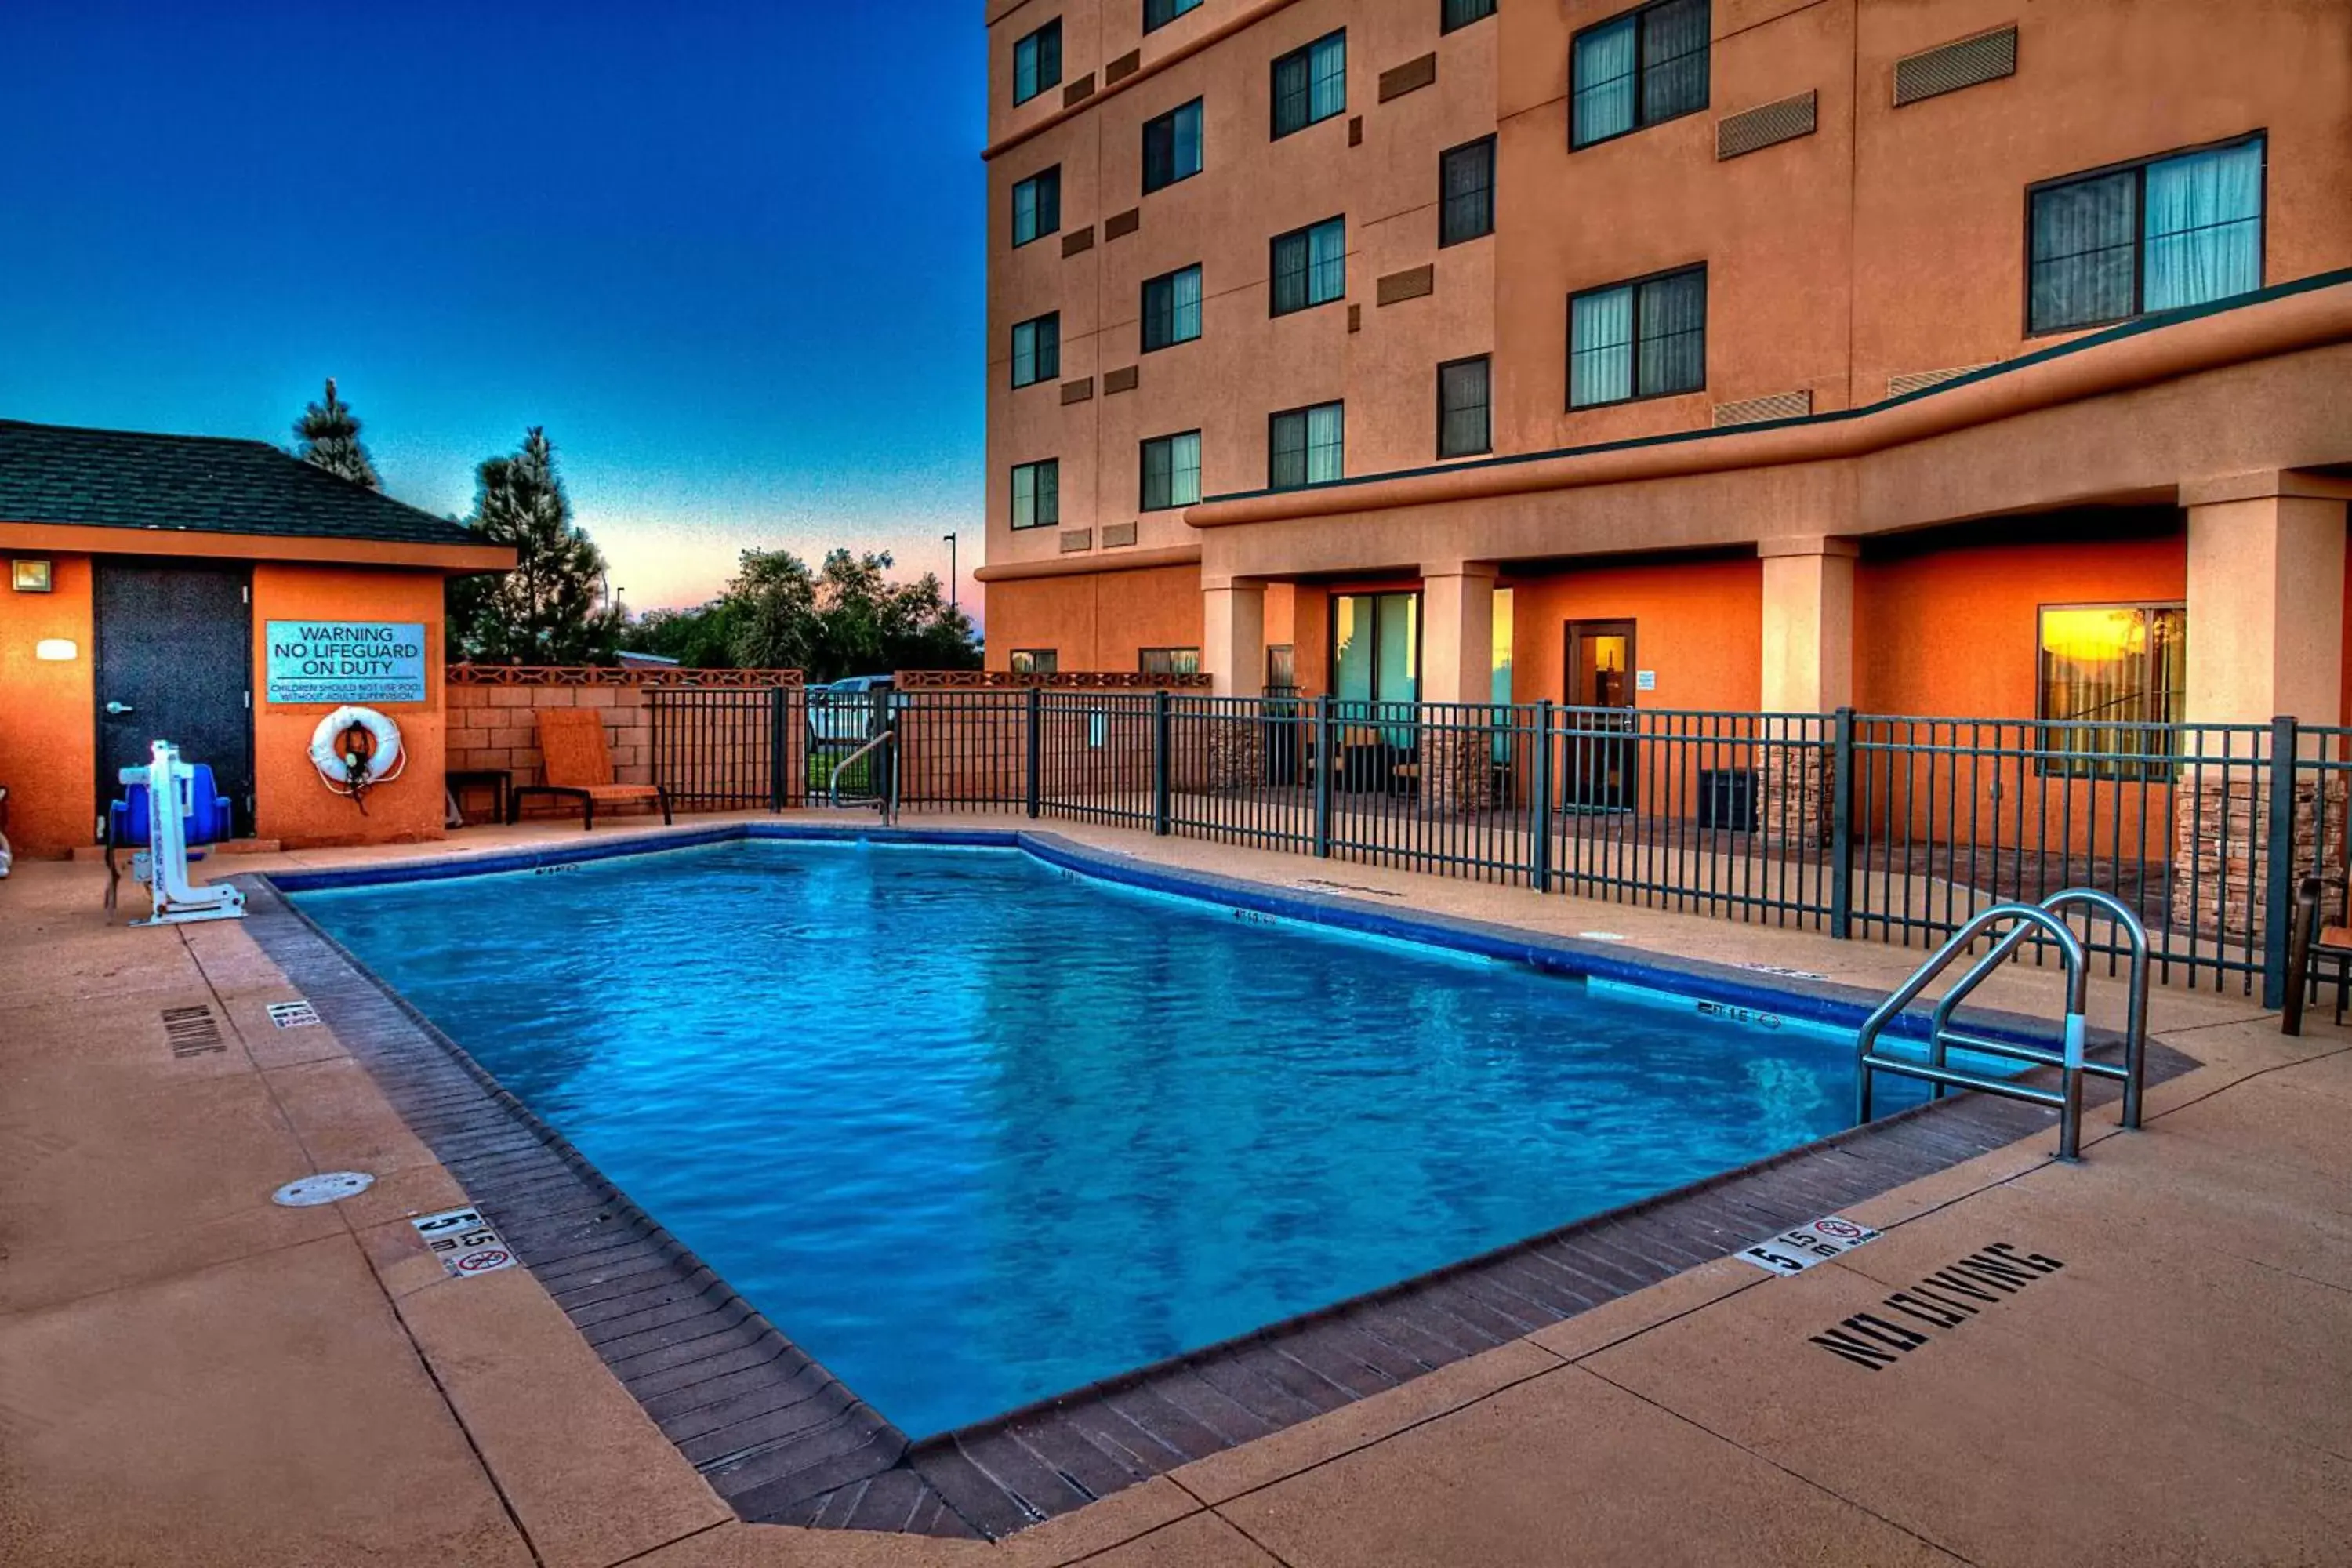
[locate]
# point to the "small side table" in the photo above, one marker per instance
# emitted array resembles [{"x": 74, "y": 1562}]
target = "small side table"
[{"x": 460, "y": 780}]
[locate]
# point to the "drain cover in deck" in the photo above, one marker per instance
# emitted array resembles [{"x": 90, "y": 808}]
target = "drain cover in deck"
[{"x": 327, "y": 1188}]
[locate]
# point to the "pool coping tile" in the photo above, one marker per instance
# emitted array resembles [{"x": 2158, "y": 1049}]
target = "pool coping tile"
[{"x": 785, "y": 1442}]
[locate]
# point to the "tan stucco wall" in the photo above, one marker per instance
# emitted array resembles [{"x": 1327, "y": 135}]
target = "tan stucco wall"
[
  {"x": 1246, "y": 365},
  {"x": 1098, "y": 620}
]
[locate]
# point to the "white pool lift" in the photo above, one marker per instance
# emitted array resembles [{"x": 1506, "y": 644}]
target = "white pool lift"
[{"x": 163, "y": 864}]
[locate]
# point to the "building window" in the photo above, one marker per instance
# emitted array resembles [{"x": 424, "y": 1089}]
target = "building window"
[
  {"x": 1465, "y": 191},
  {"x": 1639, "y": 69},
  {"x": 1036, "y": 661},
  {"x": 1172, "y": 471},
  {"x": 1168, "y": 660},
  {"x": 1157, "y": 13},
  {"x": 2172, "y": 231},
  {"x": 1037, "y": 206},
  {"x": 1037, "y": 494},
  {"x": 1037, "y": 350},
  {"x": 1642, "y": 339},
  {"x": 1172, "y": 307},
  {"x": 1305, "y": 446},
  {"x": 1310, "y": 265},
  {"x": 1375, "y": 679},
  {"x": 1453, "y": 13},
  {"x": 1311, "y": 84},
  {"x": 1171, "y": 147},
  {"x": 1464, "y": 426},
  {"x": 1037, "y": 62},
  {"x": 2108, "y": 669}
]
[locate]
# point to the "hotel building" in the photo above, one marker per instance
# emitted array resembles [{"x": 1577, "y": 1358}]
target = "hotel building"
[{"x": 1982, "y": 357}]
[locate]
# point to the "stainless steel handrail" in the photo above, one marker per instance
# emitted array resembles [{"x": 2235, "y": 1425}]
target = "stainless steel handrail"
[
  {"x": 2067, "y": 1100},
  {"x": 888, "y": 801},
  {"x": 2131, "y": 1073}
]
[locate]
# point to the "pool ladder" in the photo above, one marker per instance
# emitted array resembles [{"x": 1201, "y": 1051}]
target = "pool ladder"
[{"x": 2022, "y": 922}]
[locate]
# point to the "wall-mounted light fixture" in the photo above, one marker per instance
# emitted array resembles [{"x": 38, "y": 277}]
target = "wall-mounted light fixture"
[
  {"x": 56, "y": 650},
  {"x": 31, "y": 576}
]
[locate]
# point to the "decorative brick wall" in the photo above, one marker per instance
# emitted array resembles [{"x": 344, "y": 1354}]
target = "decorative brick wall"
[{"x": 492, "y": 712}]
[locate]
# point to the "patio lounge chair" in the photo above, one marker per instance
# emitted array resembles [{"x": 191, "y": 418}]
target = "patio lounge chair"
[{"x": 576, "y": 763}]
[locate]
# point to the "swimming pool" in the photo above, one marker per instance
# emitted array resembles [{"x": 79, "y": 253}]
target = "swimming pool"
[{"x": 974, "y": 1129}]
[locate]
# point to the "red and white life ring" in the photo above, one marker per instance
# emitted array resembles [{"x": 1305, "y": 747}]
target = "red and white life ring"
[{"x": 349, "y": 769}]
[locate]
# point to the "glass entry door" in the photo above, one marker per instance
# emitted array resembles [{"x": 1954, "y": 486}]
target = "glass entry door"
[{"x": 1596, "y": 774}]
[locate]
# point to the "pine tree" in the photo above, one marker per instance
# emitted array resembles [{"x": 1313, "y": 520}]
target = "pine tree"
[
  {"x": 330, "y": 437},
  {"x": 550, "y": 608}
]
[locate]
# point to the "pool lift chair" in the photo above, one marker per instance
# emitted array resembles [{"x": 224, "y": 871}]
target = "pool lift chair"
[
  {"x": 168, "y": 807},
  {"x": 2010, "y": 926}
]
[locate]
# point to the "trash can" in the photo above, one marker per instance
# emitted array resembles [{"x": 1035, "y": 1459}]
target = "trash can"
[{"x": 1726, "y": 799}]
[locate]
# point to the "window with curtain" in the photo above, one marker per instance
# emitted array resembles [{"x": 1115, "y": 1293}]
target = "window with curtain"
[
  {"x": 1309, "y": 266},
  {"x": 1172, "y": 307},
  {"x": 1159, "y": 13},
  {"x": 1037, "y": 206},
  {"x": 1036, "y": 661},
  {"x": 2181, "y": 230},
  {"x": 1037, "y": 350},
  {"x": 1168, "y": 660},
  {"x": 1305, "y": 446},
  {"x": 1642, "y": 339},
  {"x": 1037, "y": 62},
  {"x": 1453, "y": 13},
  {"x": 1037, "y": 494},
  {"x": 1171, "y": 470},
  {"x": 1465, "y": 191},
  {"x": 1639, "y": 69},
  {"x": 1171, "y": 147},
  {"x": 1311, "y": 84},
  {"x": 2106, "y": 671},
  {"x": 1464, "y": 426}
]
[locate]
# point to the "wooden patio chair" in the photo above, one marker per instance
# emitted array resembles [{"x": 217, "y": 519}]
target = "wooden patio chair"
[{"x": 576, "y": 763}]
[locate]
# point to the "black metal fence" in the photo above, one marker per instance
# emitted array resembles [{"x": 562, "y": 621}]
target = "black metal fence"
[{"x": 1897, "y": 829}]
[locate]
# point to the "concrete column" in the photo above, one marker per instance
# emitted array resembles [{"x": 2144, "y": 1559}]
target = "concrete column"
[
  {"x": 1232, "y": 637},
  {"x": 2265, "y": 599},
  {"x": 2265, "y": 638},
  {"x": 1457, "y": 666},
  {"x": 1457, "y": 632},
  {"x": 1808, "y": 623}
]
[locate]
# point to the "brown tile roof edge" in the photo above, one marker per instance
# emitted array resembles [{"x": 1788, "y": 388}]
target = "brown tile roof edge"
[{"x": 73, "y": 477}]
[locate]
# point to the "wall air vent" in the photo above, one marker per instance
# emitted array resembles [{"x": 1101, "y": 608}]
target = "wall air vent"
[
  {"x": 1755, "y": 128},
  {"x": 1757, "y": 410},
  {"x": 1948, "y": 68},
  {"x": 1921, "y": 379},
  {"x": 1077, "y": 538}
]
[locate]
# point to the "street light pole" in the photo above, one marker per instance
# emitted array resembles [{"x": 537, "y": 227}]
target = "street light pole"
[{"x": 951, "y": 539}]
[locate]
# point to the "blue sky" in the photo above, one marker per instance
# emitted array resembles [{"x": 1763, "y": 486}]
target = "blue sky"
[{"x": 730, "y": 254}]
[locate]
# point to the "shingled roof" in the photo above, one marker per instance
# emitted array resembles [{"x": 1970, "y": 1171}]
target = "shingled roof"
[{"x": 194, "y": 484}]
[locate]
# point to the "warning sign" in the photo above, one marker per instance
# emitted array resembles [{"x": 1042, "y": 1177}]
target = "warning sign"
[
  {"x": 346, "y": 661},
  {"x": 465, "y": 1243},
  {"x": 1794, "y": 1251}
]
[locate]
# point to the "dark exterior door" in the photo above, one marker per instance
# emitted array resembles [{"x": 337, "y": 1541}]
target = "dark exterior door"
[
  {"x": 1598, "y": 775},
  {"x": 175, "y": 663}
]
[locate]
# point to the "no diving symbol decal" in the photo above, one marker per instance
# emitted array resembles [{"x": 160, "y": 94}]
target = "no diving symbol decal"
[
  {"x": 465, "y": 1243},
  {"x": 1794, "y": 1251},
  {"x": 1941, "y": 1302}
]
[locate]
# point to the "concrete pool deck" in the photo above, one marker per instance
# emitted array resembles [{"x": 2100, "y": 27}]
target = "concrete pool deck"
[{"x": 189, "y": 1373}]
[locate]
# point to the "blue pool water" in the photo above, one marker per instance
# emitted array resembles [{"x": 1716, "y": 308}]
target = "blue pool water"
[{"x": 974, "y": 1131}]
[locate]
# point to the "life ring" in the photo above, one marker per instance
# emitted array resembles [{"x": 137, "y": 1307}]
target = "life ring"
[{"x": 349, "y": 768}]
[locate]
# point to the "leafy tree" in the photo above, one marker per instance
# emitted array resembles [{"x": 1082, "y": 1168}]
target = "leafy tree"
[
  {"x": 846, "y": 617},
  {"x": 550, "y": 609},
  {"x": 330, "y": 437},
  {"x": 698, "y": 637}
]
